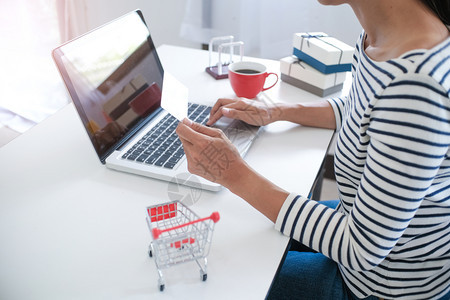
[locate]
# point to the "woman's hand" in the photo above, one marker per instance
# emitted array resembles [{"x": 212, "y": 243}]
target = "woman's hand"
[
  {"x": 210, "y": 154},
  {"x": 253, "y": 112}
]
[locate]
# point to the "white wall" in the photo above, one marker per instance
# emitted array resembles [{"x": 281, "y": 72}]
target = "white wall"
[
  {"x": 163, "y": 17},
  {"x": 265, "y": 26}
]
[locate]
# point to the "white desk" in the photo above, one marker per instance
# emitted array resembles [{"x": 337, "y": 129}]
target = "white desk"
[{"x": 72, "y": 229}]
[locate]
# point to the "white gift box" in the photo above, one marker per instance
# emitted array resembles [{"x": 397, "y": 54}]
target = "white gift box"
[
  {"x": 325, "y": 53},
  {"x": 302, "y": 75}
]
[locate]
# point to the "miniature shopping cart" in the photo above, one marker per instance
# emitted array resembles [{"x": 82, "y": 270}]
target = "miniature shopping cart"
[{"x": 179, "y": 235}]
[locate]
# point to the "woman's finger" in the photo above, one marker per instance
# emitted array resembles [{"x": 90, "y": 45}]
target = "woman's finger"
[
  {"x": 211, "y": 132},
  {"x": 216, "y": 111},
  {"x": 195, "y": 133}
]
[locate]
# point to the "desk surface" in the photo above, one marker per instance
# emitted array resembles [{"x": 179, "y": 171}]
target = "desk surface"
[{"x": 72, "y": 229}]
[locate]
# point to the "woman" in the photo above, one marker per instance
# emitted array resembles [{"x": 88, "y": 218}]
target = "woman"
[{"x": 389, "y": 236}]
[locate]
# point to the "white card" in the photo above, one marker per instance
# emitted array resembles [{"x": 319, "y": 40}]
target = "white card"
[{"x": 174, "y": 97}]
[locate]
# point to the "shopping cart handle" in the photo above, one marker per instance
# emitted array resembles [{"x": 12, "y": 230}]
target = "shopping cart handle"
[{"x": 215, "y": 217}]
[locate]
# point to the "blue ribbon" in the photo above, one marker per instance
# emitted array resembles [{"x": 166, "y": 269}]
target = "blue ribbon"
[
  {"x": 299, "y": 62},
  {"x": 316, "y": 63}
]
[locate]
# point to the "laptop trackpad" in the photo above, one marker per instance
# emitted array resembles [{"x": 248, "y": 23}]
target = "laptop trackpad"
[{"x": 239, "y": 133}]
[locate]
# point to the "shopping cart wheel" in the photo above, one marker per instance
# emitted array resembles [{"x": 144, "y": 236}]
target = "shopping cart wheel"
[
  {"x": 161, "y": 287},
  {"x": 204, "y": 277}
]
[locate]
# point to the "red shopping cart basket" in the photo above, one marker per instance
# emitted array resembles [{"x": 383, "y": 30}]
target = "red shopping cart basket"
[{"x": 179, "y": 235}]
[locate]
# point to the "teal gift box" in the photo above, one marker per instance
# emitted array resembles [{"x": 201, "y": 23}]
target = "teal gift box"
[{"x": 325, "y": 53}]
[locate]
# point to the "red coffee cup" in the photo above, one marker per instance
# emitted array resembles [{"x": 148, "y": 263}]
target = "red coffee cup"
[{"x": 247, "y": 78}]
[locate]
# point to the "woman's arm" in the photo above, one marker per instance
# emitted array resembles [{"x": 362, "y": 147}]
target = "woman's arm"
[
  {"x": 255, "y": 112},
  {"x": 314, "y": 114},
  {"x": 228, "y": 168}
]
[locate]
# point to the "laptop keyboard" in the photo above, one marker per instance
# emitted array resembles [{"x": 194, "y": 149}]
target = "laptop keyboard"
[{"x": 161, "y": 145}]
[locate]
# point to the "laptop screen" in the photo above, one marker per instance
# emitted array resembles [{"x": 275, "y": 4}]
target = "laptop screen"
[{"x": 114, "y": 77}]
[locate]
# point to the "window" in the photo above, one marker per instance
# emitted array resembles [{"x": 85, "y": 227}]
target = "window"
[{"x": 31, "y": 88}]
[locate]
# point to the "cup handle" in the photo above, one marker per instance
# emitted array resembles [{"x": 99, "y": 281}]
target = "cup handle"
[{"x": 268, "y": 74}]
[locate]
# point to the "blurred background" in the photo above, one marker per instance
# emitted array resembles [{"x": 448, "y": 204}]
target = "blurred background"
[{"x": 30, "y": 86}]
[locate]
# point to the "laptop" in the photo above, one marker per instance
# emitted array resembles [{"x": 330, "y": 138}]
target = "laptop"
[{"x": 130, "y": 107}]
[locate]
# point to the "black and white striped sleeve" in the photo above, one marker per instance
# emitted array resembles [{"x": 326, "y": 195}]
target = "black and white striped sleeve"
[{"x": 408, "y": 130}]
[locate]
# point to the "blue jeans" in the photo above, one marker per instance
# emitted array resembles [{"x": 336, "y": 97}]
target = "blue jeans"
[{"x": 306, "y": 274}]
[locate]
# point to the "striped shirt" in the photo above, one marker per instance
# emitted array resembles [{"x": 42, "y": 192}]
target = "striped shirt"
[{"x": 390, "y": 234}]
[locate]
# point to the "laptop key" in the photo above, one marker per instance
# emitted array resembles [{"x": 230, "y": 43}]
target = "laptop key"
[
  {"x": 142, "y": 158},
  {"x": 174, "y": 159},
  {"x": 169, "y": 165},
  {"x": 151, "y": 160},
  {"x": 131, "y": 157},
  {"x": 160, "y": 162}
]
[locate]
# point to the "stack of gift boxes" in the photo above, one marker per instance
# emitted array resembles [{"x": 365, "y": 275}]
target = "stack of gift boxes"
[{"x": 318, "y": 65}]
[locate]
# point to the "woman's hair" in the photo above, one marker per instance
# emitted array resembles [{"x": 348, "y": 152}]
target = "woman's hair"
[{"x": 441, "y": 8}]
